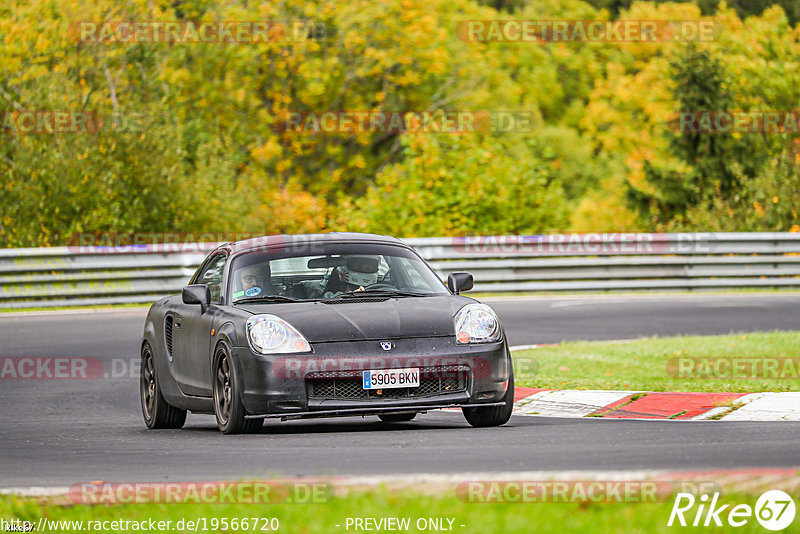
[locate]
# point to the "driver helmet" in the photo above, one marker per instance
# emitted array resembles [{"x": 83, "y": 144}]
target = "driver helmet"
[{"x": 360, "y": 270}]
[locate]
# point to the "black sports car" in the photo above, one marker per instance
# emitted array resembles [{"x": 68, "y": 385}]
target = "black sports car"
[{"x": 322, "y": 326}]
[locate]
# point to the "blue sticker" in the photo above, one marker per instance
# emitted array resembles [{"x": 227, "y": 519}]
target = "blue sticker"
[{"x": 253, "y": 291}]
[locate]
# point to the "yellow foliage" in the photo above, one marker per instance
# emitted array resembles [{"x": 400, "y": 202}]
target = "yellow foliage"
[{"x": 605, "y": 210}]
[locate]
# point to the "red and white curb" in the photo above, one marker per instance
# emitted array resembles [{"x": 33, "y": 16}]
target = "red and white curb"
[
  {"x": 657, "y": 405},
  {"x": 628, "y": 404}
]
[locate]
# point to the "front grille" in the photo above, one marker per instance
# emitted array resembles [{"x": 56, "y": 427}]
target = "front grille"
[
  {"x": 168, "y": 333},
  {"x": 349, "y": 384}
]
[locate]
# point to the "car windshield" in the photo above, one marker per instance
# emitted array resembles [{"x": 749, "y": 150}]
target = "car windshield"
[{"x": 331, "y": 271}]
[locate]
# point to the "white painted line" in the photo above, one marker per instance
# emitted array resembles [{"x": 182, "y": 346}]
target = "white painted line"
[
  {"x": 572, "y": 303},
  {"x": 524, "y": 347},
  {"x": 767, "y": 407},
  {"x": 36, "y": 491},
  {"x": 605, "y": 341},
  {"x": 568, "y": 403},
  {"x": 121, "y": 310},
  {"x": 624, "y": 297}
]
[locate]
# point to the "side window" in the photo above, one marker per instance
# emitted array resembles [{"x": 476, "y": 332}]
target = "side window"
[{"x": 211, "y": 275}]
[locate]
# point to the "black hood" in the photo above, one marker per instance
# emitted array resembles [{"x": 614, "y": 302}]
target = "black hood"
[{"x": 354, "y": 321}]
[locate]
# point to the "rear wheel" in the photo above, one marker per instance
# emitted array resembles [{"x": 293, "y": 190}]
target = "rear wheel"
[
  {"x": 492, "y": 415},
  {"x": 157, "y": 412},
  {"x": 397, "y": 417},
  {"x": 228, "y": 405}
]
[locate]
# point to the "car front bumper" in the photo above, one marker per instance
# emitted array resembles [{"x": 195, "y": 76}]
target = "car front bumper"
[{"x": 281, "y": 385}]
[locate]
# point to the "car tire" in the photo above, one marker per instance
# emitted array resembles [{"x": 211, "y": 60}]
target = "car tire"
[
  {"x": 228, "y": 407},
  {"x": 157, "y": 412},
  {"x": 396, "y": 417},
  {"x": 492, "y": 415}
]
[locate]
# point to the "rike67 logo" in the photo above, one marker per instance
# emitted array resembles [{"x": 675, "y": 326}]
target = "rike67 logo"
[{"x": 774, "y": 510}]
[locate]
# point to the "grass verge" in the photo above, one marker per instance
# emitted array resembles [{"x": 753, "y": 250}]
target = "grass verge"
[
  {"x": 331, "y": 516},
  {"x": 653, "y": 364}
]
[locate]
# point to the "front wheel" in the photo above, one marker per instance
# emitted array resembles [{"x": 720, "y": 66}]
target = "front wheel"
[
  {"x": 492, "y": 415},
  {"x": 228, "y": 405},
  {"x": 157, "y": 412}
]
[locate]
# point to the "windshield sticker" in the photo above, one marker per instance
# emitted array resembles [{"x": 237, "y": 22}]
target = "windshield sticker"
[
  {"x": 253, "y": 291},
  {"x": 238, "y": 294}
]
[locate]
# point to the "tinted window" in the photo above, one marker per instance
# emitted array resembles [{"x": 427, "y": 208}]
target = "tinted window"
[
  {"x": 211, "y": 275},
  {"x": 324, "y": 271}
]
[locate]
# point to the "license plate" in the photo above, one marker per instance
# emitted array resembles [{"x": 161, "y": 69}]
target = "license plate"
[{"x": 391, "y": 378}]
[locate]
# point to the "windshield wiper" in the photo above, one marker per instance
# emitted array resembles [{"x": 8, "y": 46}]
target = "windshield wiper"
[
  {"x": 380, "y": 292},
  {"x": 268, "y": 298}
]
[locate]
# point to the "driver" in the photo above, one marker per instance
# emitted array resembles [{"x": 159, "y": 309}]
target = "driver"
[
  {"x": 358, "y": 273},
  {"x": 256, "y": 280}
]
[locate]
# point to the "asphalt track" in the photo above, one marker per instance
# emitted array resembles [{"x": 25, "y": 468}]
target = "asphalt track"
[{"x": 59, "y": 432}]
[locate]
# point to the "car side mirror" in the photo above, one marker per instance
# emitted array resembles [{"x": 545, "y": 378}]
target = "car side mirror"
[
  {"x": 197, "y": 294},
  {"x": 458, "y": 282}
]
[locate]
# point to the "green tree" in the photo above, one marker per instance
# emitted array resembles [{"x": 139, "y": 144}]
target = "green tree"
[
  {"x": 458, "y": 185},
  {"x": 714, "y": 163}
]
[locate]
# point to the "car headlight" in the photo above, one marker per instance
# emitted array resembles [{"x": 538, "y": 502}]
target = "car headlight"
[
  {"x": 269, "y": 334},
  {"x": 476, "y": 323}
]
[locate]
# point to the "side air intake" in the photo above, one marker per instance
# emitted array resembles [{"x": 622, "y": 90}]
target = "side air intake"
[{"x": 168, "y": 333}]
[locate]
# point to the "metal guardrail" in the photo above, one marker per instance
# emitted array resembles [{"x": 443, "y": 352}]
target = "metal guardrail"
[{"x": 67, "y": 276}]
